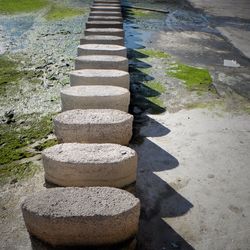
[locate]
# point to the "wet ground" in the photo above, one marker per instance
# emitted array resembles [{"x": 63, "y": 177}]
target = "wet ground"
[{"x": 192, "y": 137}]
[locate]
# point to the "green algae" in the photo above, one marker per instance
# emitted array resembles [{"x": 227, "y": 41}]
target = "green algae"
[
  {"x": 154, "y": 53},
  {"x": 142, "y": 13},
  {"x": 157, "y": 101},
  {"x": 9, "y": 72},
  {"x": 157, "y": 86},
  {"x": 15, "y": 137},
  {"x": 20, "y": 6},
  {"x": 17, "y": 171},
  {"x": 57, "y": 12},
  {"x": 46, "y": 144},
  {"x": 194, "y": 78}
]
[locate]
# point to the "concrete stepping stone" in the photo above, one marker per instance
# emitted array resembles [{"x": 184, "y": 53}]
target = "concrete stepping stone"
[
  {"x": 106, "y": 4},
  {"x": 99, "y": 77},
  {"x": 94, "y": 126},
  {"x": 101, "y": 49},
  {"x": 105, "y": 18},
  {"x": 83, "y": 165},
  {"x": 105, "y": 8},
  {"x": 104, "y": 32},
  {"x": 95, "y": 97},
  {"x": 107, "y": 1},
  {"x": 105, "y": 13},
  {"x": 82, "y": 216},
  {"x": 101, "y": 39},
  {"x": 101, "y": 62},
  {"x": 104, "y": 24}
]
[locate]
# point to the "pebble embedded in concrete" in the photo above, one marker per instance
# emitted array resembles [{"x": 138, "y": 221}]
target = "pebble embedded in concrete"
[
  {"x": 104, "y": 31},
  {"x": 94, "y": 126},
  {"x": 101, "y": 62},
  {"x": 102, "y": 39},
  {"x": 95, "y": 97},
  {"x": 82, "y": 165},
  {"x": 99, "y": 77},
  {"x": 101, "y": 49},
  {"x": 81, "y": 216}
]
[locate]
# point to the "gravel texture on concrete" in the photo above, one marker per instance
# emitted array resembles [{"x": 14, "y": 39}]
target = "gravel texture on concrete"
[
  {"x": 101, "y": 49},
  {"x": 82, "y": 216},
  {"x": 95, "y": 97},
  {"x": 77, "y": 164},
  {"x": 102, "y": 39},
  {"x": 104, "y": 31},
  {"x": 101, "y": 62},
  {"x": 99, "y": 77},
  {"x": 94, "y": 126}
]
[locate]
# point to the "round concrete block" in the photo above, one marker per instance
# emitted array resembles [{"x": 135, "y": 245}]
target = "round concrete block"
[
  {"x": 99, "y": 77},
  {"x": 105, "y": 13},
  {"x": 116, "y": 40},
  {"x": 101, "y": 62},
  {"x": 105, "y": 8},
  {"x": 87, "y": 165},
  {"x": 104, "y": 24},
  {"x": 105, "y": 18},
  {"x": 101, "y": 49},
  {"x": 95, "y": 97},
  {"x": 94, "y": 126},
  {"x": 81, "y": 216},
  {"x": 104, "y": 31}
]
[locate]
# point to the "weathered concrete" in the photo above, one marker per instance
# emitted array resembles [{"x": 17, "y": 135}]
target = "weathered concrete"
[
  {"x": 95, "y": 97},
  {"x": 82, "y": 216},
  {"x": 105, "y": 18},
  {"x": 99, "y": 77},
  {"x": 104, "y": 31},
  {"x": 83, "y": 165},
  {"x": 105, "y": 8},
  {"x": 94, "y": 126},
  {"x": 105, "y": 13},
  {"x": 116, "y": 40},
  {"x": 106, "y": 4},
  {"x": 101, "y": 49},
  {"x": 107, "y": 1},
  {"x": 104, "y": 24},
  {"x": 101, "y": 62}
]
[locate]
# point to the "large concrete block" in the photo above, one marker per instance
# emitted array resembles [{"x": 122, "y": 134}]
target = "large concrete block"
[
  {"x": 105, "y": 13},
  {"x": 81, "y": 216},
  {"x": 94, "y": 126},
  {"x": 116, "y": 40},
  {"x": 101, "y": 62},
  {"x": 104, "y": 24},
  {"x": 99, "y": 77},
  {"x": 104, "y": 32},
  {"x": 107, "y": 1},
  {"x": 105, "y": 8},
  {"x": 101, "y": 49},
  {"x": 106, "y": 4},
  {"x": 95, "y": 97},
  {"x": 87, "y": 165},
  {"x": 105, "y": 18}
]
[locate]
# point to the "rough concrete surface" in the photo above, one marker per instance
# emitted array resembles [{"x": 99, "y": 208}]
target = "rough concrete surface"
[
  {"x": 95, "y": 216},
  {"x": 104, "y": 24},
  {"x": 101, "y": 62},
  {"x": 82, "y": 165},
  {"x": 105, "y": 18},
  {"x": 104, "y": 31},
  {"x": 95, "y": 97},
  {"x": 105, "y": 8},
  {"x": 102, "y": 39},
  {"x": 105, "y": 13},
  {"x": 94, "y": 126},
  {"x": 99, "y": 77},
  {"x": 101, "y": 49}
]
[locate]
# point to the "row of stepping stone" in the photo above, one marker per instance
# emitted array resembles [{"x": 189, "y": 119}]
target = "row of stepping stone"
[{"x": 92, "y": 160}]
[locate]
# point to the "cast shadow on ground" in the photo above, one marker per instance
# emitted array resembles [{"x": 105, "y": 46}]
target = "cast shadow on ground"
[{"x": 158, "y": 199}]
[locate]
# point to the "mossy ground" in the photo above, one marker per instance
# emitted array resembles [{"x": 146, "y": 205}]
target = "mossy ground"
[
  {"x": 57, "y": 12},
  {"x": 16, "y": 136},
  {"x": 142, "y": 13},
  {"x": 9, "y": 71},
  {"x": 154, "y": 53},
  {"x": 46, "y": 144},
  {"x": 194, "y": 78},
  {"x": 15, "y": 172},
  {"x": 17, "y": 6}
]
